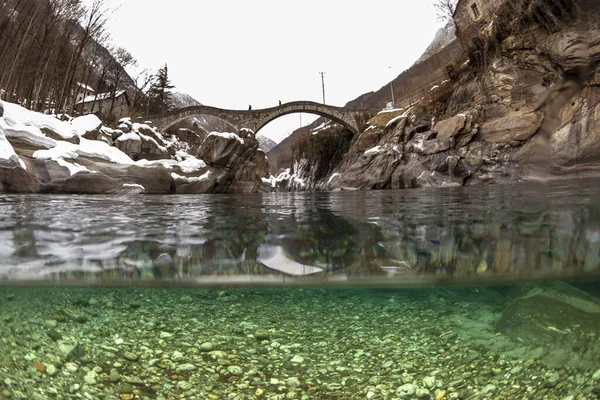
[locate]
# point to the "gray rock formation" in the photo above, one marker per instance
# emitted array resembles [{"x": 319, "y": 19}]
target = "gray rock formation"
[
  {"x": 534, "y": 105},
  {"x": 87, "y": 166}
]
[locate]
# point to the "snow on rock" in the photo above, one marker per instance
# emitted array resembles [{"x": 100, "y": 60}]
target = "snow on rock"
[
  {"x": 332, "y": 177},
  {"x": 271, "y": 180},
  {"x": 168, "y": 164},
  {"x": 85, "y": 124},
  {"x": 73, "y": 168},
  {"x": 394, "y": 120},
  {"x": 133, "y": 185},
  {"x": 128, "y": 136},
  {"x": 285, "y": 176},
  {"x": 7, "y": 153},
  {"x": 87, "y": 148},
  {"x": 188, "y": 163},
  {"x": 203, "y": 177},
  {"x": 226, "y": 135},
  {"x": 17, "y": 116},
  {"x": 390, "y": 110},
  {"x": 373, "y": 150},
  {"x": 29, "y": 134}
]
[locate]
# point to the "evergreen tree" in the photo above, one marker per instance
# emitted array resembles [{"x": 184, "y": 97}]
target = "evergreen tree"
[{"x": 159, "y": 94}]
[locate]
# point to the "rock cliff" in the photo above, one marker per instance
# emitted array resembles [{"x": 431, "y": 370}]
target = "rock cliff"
[{"x": 524, "y": 104}]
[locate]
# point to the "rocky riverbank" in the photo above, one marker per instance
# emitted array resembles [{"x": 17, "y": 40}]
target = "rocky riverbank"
[{"x": 49, "y": 154}]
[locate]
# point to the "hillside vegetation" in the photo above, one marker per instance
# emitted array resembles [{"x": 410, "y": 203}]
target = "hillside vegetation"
[{"x": 48, "y": 46}]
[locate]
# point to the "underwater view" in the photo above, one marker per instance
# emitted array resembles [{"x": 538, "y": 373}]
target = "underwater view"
[{"x": 454, "y": 293}]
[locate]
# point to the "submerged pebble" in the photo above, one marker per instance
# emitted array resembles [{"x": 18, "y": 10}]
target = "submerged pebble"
[{"x": 318, "y": 344}]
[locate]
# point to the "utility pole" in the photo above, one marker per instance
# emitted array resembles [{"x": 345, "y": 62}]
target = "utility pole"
[
  {"x": 323, "y": 83},
  {"x": 392, "y": 90}
]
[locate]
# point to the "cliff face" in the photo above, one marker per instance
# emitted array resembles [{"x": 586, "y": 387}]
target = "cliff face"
[{"x": 524, "y": 105}]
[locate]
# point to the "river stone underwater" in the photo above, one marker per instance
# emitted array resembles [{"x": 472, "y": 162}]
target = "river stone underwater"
[{"x": 457, "y": 293}]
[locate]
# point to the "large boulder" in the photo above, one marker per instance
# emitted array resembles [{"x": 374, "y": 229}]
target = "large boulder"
[
  {"x": 248, "y": 178},
  {"x": 130, "y": 144},
  {"x": 219, "y": 149},
  {"x": 575, "y": 50},
  {"x": 372, "y": 170},
  {"x": 562, "y": 319},
  {"x": 153, "y": 145},
  {"x": 514, "y": 127},
  {"x": 450, "y": 127}
]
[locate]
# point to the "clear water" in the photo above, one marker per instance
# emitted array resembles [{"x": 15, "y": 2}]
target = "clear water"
[{"x": 462, "y": 293}]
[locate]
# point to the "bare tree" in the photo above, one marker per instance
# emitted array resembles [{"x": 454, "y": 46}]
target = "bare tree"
[
  {"x": 143, "y": 80},
  {"x": 445, "y": 9},
  {"x": 123, "y": 59},
  {"x": 94, "y": 25}
]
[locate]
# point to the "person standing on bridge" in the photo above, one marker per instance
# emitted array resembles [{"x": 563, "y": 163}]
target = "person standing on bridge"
[
  {"x": 250, "y": 107},
  {"x": 279, "y": 102}
]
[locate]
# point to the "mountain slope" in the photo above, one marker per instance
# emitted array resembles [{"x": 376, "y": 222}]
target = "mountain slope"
[
  {"x": 182, "y": 100},
  {"x": 443, "y": 37},
  {"x": 265, "y": 144}
]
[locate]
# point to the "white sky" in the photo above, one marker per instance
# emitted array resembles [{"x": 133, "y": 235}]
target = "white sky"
[{"x": 232, "y": 53}]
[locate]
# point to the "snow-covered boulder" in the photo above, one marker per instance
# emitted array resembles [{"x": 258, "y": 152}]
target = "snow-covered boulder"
[
  {"x": 130, "y": 144},
  {"x": 125, "y": 125},
  {"x": 220, "y": 148},
  {"x": 87, "y": 126},
  {"x": 153, "y": 145}
]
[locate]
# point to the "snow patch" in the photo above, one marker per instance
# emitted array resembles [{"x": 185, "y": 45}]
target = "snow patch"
[
  {"x": 373, "y": 150},
  {"x": 129, "y": 136},
  {"x": 73, "y": 168},
  {"x": 17, "y": 117},
  {"x": 333, "y": 176},
  {"x": 7, "y": 153},
  {"x": 390, "y": 110},
  {"x": 134, "y": 185},
  {"x": 226, "y": 135},
  {"x": 86, "y": 148},
  {"x": 393, "y": 120},
  {"x": 203, "y": 177},
  {"x": 189, "y": 163},
  {"x": 84, "y": 124}
]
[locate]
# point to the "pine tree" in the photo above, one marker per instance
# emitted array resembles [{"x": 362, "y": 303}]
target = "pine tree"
[{"x": 159, "y": 94}]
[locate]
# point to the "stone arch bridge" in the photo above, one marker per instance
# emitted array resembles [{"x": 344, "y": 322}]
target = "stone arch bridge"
[{"x": 352, "y": 119}]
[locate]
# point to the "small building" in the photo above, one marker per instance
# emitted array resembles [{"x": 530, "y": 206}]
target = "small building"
[
  {"x": 83, "y": 91},
  {"x": 105, "y": 105},
  {"x": 473, "y": 17}
]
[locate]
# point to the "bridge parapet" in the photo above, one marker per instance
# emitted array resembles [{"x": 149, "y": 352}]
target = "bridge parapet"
[{"x": 352, "y": 119}]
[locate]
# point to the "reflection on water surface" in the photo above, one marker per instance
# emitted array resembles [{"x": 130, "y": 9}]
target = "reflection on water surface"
[{"x": 456, "y": 234}]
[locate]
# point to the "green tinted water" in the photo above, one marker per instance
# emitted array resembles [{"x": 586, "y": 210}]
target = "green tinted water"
[
  {"x": 463, "y": 293},
  {"x": 429, "y": 343}
]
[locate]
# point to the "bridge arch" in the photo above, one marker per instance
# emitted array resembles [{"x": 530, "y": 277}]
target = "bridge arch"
[
  {"x": 329, "y": 116},
  {"x": 175, "y": 121},
  {"x": 351, "y": 119}
]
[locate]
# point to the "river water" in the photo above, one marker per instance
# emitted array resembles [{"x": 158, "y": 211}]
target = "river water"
[{"x": 456, "y": 293}]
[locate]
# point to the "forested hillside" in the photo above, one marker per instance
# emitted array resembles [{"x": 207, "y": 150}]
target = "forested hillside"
[{"x": 50, "y": 49}]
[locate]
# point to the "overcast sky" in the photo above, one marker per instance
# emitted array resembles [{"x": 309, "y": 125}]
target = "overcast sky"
[{"x": 232, "y": 53}]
